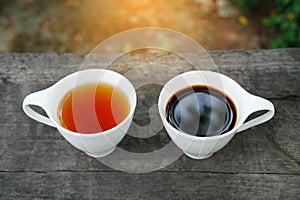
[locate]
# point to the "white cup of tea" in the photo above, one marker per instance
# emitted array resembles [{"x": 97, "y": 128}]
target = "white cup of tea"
[
  {"x": 79, "y": 127},
  {"x": 202, "y": 111}
]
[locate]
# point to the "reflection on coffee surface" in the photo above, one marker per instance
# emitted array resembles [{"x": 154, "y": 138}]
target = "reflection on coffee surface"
[{"x": 202, "y": 111}]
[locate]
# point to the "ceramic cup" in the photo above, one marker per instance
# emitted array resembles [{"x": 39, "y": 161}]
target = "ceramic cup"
[
  {"x": 96, "y": 144},
  {"x": 245, "y": 104}
]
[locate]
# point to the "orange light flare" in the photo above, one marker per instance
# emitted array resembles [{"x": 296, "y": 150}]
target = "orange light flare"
[
  {"x": 105, "y": 18},
  {"x": 141, "y": 12}
]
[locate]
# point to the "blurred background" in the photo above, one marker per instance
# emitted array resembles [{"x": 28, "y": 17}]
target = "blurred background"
[{"x": 79, "y": 25}]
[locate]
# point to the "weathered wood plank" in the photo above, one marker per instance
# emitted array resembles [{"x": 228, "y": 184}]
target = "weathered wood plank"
[
  {"x": 27, "y": 145},
  {"x": 260, "y": 163},
  {"x": 249, "y": 68},
  {"x": 160, "y": 185}
]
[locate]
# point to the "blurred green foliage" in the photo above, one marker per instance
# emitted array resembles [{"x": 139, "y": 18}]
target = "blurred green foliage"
[
  {"x": 286, "y": 19},
  {"x": 246, "y": 5}
]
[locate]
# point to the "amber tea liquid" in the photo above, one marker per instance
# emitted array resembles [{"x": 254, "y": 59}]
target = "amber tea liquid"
[{"x": 93, "y": 108}]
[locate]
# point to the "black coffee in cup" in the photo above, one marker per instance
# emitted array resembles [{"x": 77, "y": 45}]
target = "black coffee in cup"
[{"x": 202, "y": 111}]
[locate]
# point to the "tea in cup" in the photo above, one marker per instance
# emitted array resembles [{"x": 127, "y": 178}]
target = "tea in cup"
[
  {"x": 92, "y": 109},
  {"x": 202, "y": 111}
]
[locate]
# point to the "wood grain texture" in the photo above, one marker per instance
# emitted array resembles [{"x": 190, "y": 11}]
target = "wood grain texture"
[
  {"x": 249, "y": 68},
  {"x": 260, "y": 163},
  {"x": 157, "y": 185},
  {"x": 268, "y": 148}
]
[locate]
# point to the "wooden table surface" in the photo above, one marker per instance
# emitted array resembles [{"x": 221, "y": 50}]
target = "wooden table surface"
[{"x": 260, "y": 163}]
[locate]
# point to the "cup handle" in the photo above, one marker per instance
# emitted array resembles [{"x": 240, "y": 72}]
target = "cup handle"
[
  {"x": 37, "y": 99},
  {"x": 259, "y": 104}
]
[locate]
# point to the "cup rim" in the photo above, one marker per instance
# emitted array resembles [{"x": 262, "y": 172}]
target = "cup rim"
[
  {"x": 132, "y": 105},
  {"x": 162, "y": 108}
]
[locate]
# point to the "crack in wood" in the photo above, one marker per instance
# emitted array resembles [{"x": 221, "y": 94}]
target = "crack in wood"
[
  {"x": 286, "y": 98},
  {"x": 159, "y": 171}
]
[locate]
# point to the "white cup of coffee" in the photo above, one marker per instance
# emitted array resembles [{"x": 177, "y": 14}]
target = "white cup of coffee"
[
  {"x": 202, "y": 111},
  {"x": 92, "y": 109}
]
